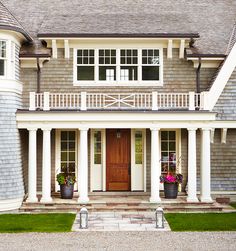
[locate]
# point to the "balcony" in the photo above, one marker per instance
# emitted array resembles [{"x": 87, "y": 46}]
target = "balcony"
[{"x": 118, "y": 101}]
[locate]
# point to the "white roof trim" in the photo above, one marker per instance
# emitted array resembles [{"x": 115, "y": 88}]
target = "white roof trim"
[{"x": 222, "y": 78}]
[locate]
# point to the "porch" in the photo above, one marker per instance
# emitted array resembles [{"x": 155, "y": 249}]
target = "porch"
[{"x": 92, "y": 162}]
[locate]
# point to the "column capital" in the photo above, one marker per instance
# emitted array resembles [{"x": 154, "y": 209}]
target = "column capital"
[
  {"x": 192, "y": 128},
  {"x": 46, "y": 128},
  {"x": 155, "y": 128},
  {"x": 32, "y": 128},
  {"x": 84, "y": 129},
  {"x": 206, "y": 128}
]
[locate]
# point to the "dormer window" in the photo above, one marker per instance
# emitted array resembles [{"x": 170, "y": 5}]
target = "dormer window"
[
  {"x": 118, "y": 67},
  {"x": 3, "y": 58}
]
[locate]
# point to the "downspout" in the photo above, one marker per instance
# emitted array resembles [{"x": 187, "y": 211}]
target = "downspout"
[
  {"x": 198, "y": 75},
  {"x": 38, "y": 76}
]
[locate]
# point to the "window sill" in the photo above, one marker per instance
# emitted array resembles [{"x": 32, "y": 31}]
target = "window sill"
[{"x": 118, "y": 84}]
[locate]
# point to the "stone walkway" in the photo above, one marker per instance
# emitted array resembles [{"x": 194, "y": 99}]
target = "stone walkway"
[{"x": 120, "y": 221}]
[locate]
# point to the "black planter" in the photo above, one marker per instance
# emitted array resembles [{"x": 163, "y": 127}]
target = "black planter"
[
  {"x": 170, "y": 190},
  {"x": 67, "y": 191}
]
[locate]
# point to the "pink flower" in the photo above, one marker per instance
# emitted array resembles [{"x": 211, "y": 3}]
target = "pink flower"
[{"x": 170, "y": 178}]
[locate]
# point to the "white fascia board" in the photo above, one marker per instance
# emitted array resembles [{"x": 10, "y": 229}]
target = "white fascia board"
[
  {"x": 113, "y": 119},
  {"x": 222, "y": 78}
]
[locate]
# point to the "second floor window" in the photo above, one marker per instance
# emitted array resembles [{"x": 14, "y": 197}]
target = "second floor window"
[
  {"x": 118, "y": 65},
  {"x": 85, "y": 65},
  {"x": 2, "y": 58}
]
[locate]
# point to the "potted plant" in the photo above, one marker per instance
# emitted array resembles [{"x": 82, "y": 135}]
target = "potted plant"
[
  {"x": 66, "y": 181},
  {"x": 171, "y": 184}
]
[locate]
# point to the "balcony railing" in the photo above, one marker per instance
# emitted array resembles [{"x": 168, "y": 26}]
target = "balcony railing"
[{"x": 118, "y": 101}]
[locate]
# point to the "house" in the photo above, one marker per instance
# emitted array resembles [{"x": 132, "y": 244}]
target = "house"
[{"x": 118, "y": 92}]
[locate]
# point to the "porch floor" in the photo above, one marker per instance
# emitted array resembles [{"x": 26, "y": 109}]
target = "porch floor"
[{"x": 122, "y": 202}]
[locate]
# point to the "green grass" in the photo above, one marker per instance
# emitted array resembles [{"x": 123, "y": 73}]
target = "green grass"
[
  {"x": 233, "y": 204},
  {"x": 202, "y": 221},
  {"x": 17, "y": 223}
]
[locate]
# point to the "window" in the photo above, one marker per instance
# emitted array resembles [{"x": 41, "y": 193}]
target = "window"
[
  {"x": 107, "y": 65},
  {"x": 120, "y": 66},
  {"x": 68, "y": 151},
  {"x": 150, "y": 65},
  {"x": 128, "y": 65},
  {"x": 85, "y": 65},
  {"x": 2, "y": 58},
  {"x": 97, "y": 147},
  {"x": 138, "y": 148},
  {"x": 168, "y": 151}
]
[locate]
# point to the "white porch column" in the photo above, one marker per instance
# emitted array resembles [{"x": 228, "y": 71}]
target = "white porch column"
[
  {"x": 83, "y": 166},
  {"x": 46, "y": 174},
  {"x": 192, "y": 166},
  {"x": 205, "y": 165},
  {"x": 32, "y": 166},
  {"x": 155, "y": 166}
]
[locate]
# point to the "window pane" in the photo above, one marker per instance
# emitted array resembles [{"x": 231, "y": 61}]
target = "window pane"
[
  {"x": 129, "y": 57},
  {"x": 97, "y": 158},
  {"x": 164, "y": 167},
  {"x": 107, "y": 73},
  {"x": 2, "y": 66},
  {"x": 172, "y": 135},
  {"x": 138, "y": 159},
  {"x": 138, "y": 148},
  {"x": 71, "y": 156},
  {"x": 128, "y": 73},
  {"x": 71, "y": 166},
  {"x": 63, "y": 135},
  {"x": 164, "y": 146},
  {"x": 2, "y": 49},
  {"x": 150, "y": 73},
  {"x": 171, "y": 146},
  {"x": 79, "y": 53},
  {"x": 71, "y": 135},
  {"x": 164, "y": 135},
  {"x": 97, "y": 147},
  {"x": 63, "y": 146},
  {"x": 85, "y": 72},
  {"x": 97, "y": 136},
  {"x": 63, "y": 166},
  {"x": 63, "y": 156},
  {"x": 71, "y": 146}
]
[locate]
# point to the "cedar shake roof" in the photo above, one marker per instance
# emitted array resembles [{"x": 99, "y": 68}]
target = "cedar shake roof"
[
  {"x": 9, "y": 22},
  {"x": 213, "y": 20}
]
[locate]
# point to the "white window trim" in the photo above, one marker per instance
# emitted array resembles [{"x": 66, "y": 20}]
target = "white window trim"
[
  {"x": 138, "y": 83},
  {"x": 6, "y": 59},
  {"x": 102, "y": 166},
  {"x": 178, "y": 150},
  {"x": 58, "y": 156},
  {"x": 134, "y": 166}
]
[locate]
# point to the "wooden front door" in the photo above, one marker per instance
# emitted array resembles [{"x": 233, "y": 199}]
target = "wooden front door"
[{"x": 118, "y": 160}]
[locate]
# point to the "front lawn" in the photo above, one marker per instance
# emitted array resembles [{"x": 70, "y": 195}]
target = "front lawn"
[
  {"x": 202, "y": 221},
  {"x": 16, "y": 223}
]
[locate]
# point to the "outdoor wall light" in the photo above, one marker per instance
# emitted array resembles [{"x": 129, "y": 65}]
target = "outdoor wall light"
[
  {"x": 159, "y": 218},
  {"x": 83, "y": 222}
]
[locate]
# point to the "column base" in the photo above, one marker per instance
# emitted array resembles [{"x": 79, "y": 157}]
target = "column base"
[
  {"x": 155, "y": 200},
  {"x": 206, "y": 199},
  {"x": 32, "y": 200},
  {"x": 83, "y": 200},
  {"x": 46, "y": 200},
  {"x": 193, "y": 199}
]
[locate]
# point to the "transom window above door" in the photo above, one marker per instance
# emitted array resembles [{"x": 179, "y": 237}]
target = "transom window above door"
[{"x": 122, "y": 67}]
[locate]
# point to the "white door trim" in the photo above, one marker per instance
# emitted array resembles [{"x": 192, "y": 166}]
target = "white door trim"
[{"x": 58, "y": 155}]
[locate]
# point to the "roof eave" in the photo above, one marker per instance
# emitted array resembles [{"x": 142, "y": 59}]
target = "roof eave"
[
  {"x": 17, "y": 29},
  {"x": 117, "y": 35}
]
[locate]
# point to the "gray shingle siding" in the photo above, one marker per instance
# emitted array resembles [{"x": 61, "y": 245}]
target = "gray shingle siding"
[
  {"x": 57, "y": 76},
  {"x": 11, "y": 177},
  {"x": 225, "y": 106}
]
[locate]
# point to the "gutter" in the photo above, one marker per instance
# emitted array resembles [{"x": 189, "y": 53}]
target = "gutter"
[{"x": 38, "y": 76}]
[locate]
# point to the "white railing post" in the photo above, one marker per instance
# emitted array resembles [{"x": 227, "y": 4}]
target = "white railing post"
[
  {"x": 191, "y": 96},
  {"x": 83, "y": 106},
  {"x": 32, "y": 101},
  {"x": 154, "y": 101},
  {"x": 204, "y": 101},
  {"x": 46, "y": 101}
]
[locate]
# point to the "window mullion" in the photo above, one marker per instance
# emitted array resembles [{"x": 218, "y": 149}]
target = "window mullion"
[
  {"x": 96, "y": 61},
  {"x": 139, "y": 65},
  {"x": 118, "y": 65}
]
